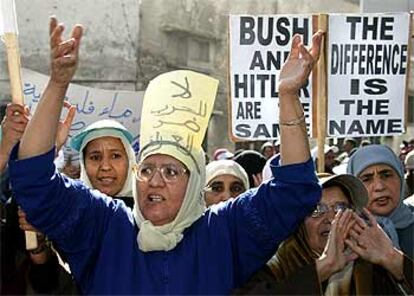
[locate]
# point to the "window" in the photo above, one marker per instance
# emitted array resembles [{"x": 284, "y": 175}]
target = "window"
[{"x": 198, "y": 51}]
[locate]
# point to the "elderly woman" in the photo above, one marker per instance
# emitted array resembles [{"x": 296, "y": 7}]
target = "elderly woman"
[
  {"x": 225, "y": 179},
  {"x": 316, "y": 255},
  {"x": 107, "y": 159},
  {"x": 168, "y": 244},
  {"x": 382, "y": 173}
]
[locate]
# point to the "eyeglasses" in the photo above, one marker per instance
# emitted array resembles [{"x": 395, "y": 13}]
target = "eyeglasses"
[
  {"x": 170, "y": 173},
  {"x": 218, "y": 187},
  {"x": 321, "y": 209}
]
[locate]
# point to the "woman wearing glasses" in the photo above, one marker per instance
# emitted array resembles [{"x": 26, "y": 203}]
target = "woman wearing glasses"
[
  {"x": 316, "y": 260},
  {"x": 225, "y": 179},
  {"x": 107, "y": 159},
  {"x": 169, "y": 243}
]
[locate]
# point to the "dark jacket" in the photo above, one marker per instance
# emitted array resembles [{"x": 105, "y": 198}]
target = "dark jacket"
[
  {"x": 19, "y": 275},
  {"x": 293, "y": 271}
]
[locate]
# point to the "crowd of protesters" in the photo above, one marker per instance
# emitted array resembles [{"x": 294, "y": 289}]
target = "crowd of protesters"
[{"x": 248, "y": 222}]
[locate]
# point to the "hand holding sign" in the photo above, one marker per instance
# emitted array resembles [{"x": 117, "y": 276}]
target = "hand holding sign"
[
  {"x": 299, "y": 64},
  {"x": 12, "y": 128},
  {"x": 64, "y": 54}
]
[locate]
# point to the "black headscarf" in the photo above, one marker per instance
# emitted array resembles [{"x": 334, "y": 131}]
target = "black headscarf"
[{"x": 252, "y": 162}]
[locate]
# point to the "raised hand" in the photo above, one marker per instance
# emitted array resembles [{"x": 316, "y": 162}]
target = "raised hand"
[
  {"x": 64, "y": 126},
  {"x": 372, "y": 244},
  {"x": 64, "y": 53},
  {"x": 299, "y": 64},
  {"x": 336, "y": 255},
  {"x": 64, "y": 58}
]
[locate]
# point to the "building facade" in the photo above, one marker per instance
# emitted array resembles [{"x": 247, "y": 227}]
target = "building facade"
[{"x": 129, "y": 42}]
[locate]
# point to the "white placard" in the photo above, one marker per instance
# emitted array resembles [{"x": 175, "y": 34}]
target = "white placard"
[
  {"x": 91, "y": 105},
  {"x": 8, "y": 20},
  {"x": 367, "y": 74},
  {"x": 259, "y": 45}
]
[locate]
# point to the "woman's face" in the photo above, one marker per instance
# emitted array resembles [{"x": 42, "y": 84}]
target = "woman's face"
[
  {"x": 106, "y": 164},
  {"x": 161, "y": 193},
  {"x": 268, "y": 152},
  {"x": 383, "y": 185},
  {"x": 318, "y": 228},
  {"x": 330, "y": 159},
  {"x": 223, "y": 187}
]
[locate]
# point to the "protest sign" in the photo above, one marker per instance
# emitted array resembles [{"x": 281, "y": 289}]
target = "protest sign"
[
  {"x": 9, "y": 34},
  {"x": 367, "y": 74},
  {"x": 177, "y": 110},
  {"x": 91, "y": 105},
  {"x": 258, "y": 47},
  {"x": 8, "y": 19}
]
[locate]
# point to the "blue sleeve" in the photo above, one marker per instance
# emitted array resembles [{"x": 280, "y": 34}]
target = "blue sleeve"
[
  {"x": 70, "y": 214},
  {"x": 265, "y": 216}
]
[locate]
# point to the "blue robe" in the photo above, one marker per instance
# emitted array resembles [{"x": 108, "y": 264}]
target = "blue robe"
[{"x": 219, "y": 251}]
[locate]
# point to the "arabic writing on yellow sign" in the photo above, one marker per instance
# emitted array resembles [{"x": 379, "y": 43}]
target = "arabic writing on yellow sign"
[{"x": 177, "y": 108}]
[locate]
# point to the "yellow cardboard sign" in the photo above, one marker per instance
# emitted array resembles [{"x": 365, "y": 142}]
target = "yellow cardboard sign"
[{"x": 177, "y": 108}]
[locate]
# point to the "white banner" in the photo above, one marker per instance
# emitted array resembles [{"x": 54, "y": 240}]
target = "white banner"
[
  {"x": 259, "y": 45},
  {"x": 91, "y": 105},
  {"x": 367, "y": 74}
]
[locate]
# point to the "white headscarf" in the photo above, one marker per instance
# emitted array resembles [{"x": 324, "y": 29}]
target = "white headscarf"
[
  {"x": 96, "y": 134},
  {"x": 166, "y": 237},
  {"x": 106, "y": 128},
  {"x": 174, "y": 121},
  {"x": 226, "y": 167}
]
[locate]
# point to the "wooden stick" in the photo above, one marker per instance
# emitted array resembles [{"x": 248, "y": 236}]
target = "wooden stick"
[
  {"x": 407, "y": 81},
  {"x": 322, "y": 93},
  {"x": 13, "y": 58}
]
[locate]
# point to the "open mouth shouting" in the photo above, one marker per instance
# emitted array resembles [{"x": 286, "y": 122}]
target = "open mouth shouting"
[{"x": 155, "y": 198}]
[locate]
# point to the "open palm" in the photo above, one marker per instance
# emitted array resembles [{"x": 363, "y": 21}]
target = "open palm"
[{"x": 299, "y": 64}]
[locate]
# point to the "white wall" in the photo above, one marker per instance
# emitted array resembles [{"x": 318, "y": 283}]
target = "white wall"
[{"x": 386, "y": 5}]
